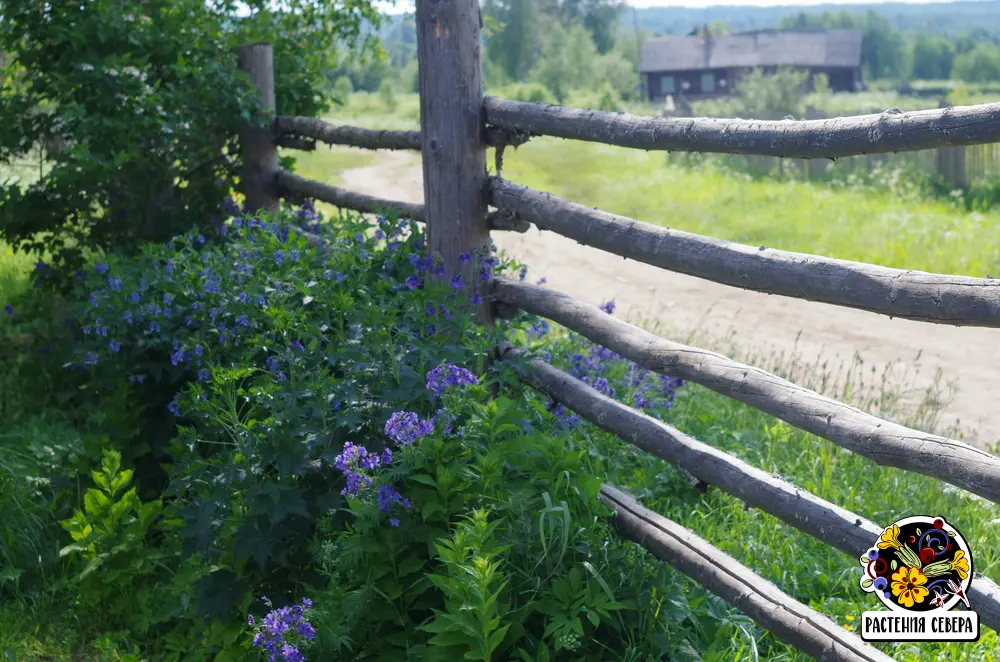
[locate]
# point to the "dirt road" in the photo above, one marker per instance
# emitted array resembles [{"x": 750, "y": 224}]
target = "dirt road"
[{"x": 681, "y": 306}]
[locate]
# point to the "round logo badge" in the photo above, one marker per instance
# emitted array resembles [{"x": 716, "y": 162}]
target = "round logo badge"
[{"x": 919, "y": 564}]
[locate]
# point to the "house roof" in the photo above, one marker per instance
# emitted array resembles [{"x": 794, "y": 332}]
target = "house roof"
[{"x": 759, "y": 48}]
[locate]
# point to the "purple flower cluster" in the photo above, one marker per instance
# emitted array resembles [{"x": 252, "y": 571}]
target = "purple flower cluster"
[
  {"x": 446, "y": 375},
  {"x": 406, "y": 428},
  {"x": 356, "y": 463},
  {"x": 279, "y": 628}
]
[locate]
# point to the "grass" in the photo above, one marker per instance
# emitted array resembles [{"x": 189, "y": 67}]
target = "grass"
[
  {"x": 855, "y": 224},
  {"x": 806, "y": 568}
]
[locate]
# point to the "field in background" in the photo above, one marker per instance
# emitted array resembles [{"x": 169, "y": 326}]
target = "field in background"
[{"x": 891, "y": 226}]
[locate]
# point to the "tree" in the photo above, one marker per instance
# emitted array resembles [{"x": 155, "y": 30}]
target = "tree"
[
  {"x": 772, "y": 96},
  {"x": 980, "y": 65},
  {"x": 932, "y": 57},
  {"x": 150, "y": 97},
  {"x": 513, "y": 38}
]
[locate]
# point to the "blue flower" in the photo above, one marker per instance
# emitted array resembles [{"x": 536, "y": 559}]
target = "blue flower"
[
  {"x": 9, "y": 309},
  {"x": 448, "y": 374},
  {"x": 412, "y": 282},
  {"x": 101, "y": 268},
  {"x": 406, "y": 428},
  {"x": 174, "y": 407},
  {"x": 457, "y": 283},
  {"x": 609, "y": 307},
  {"x": 114, "y": 345},
  {"x": 279, "y": 258}
]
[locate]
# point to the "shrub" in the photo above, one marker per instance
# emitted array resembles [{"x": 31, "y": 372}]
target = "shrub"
[
  {"x": 341, "y": 384},
  {"x": 147, "y": 102}
]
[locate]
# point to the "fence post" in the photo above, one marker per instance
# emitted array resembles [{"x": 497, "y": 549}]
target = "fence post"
[
  {"x": 452, "y": 128},
  {"x": 259, "y": 152}
]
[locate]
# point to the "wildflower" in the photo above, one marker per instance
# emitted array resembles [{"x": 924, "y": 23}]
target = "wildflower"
[
  {"x": 538, "y": 329},
  {"x": 412, "y": 282},
  {"x": 476, "y": 299},
  {"x": 456, "y": 283},
  {"x": 609, "y": 307},
  {"x": 101, "y": 268},
  {"x": 90, "y": 359},
  {"x": 448, "y": 374},
  {"x": 298, "y": 345},
  {"x": 406, "y": 428},
  {"x": 174, "y": 407},
  {"x": 114, "y": 345},
  {"x": 203, "y": 375},
  {"x": 541, "y": 281},
  {"x": 279, "y": 258},
  {"x": 393, "y": 521},
  {"x": 134, "y": 297},
  {"x": 464, "y": 258},
  {"x": 523, "y": 274},
  {"x": 387, "y": 495},
  {"x": 9, "y": 309}
]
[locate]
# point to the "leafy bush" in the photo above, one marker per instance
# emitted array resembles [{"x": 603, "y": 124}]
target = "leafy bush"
[
  {"x": 145, "y": 102},
  {"x": 772, "y": 96}
]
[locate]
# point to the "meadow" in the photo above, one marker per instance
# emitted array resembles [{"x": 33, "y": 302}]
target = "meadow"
[{"x": 549, "y": 531}]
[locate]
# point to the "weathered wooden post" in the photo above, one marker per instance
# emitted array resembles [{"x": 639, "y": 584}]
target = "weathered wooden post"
[
  {"x": 259, "y": 152},
  {"x": 452, "y": 135}
]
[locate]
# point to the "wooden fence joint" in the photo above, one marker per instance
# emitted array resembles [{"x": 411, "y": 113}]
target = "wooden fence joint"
[
  {"x": 501, "y": 138},
  {"x": 506, "y": 220}
]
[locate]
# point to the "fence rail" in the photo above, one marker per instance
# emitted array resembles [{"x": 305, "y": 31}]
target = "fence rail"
[
  {"x": 881, "y": 441},
  {"x": 348, "y": 136},
  {"x": 808, "y": 139},
  {"x": 789, "y": 619},
  {"x": 457, "y": 125},
  {"x": 957, "y": 300},
  {"x": 839, "y": 528}
]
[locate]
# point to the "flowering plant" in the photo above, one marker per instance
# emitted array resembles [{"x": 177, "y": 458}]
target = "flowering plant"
[{"x": 283, "y": 631}]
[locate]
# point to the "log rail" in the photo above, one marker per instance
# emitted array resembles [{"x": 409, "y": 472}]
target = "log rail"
[{"x": 458, "y": 219}]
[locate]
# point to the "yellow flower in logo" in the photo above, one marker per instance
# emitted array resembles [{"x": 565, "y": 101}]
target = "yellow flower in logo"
[
  {"x": 960, "y": 564},
  {"x": 908, "y": 586},
  {"x": 889, "y": 538}
]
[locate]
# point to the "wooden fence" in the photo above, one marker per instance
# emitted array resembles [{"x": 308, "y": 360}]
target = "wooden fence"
[
  {"x": 457, "y": 125},
  {"x": 959, "y": 167}
]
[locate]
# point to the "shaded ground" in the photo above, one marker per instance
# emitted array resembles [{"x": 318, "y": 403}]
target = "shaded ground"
[{"x": 920, "y": 357}]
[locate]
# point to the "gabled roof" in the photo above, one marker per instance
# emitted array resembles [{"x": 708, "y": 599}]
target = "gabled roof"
[{"x": 760, "y": 48}]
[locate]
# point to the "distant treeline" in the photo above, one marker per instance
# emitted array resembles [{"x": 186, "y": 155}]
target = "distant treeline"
[{"x": 543, "y": 49}]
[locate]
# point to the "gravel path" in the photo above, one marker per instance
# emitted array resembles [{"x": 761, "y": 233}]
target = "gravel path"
[{"x": 770, "y": 327}]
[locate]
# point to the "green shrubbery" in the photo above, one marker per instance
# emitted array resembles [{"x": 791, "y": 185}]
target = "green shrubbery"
[
  {"x": 333, "y": 428},
  {"x": 139, "y": 106}
]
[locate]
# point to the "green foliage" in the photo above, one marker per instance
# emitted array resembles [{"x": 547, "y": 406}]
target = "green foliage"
[
  {"x": 110, "y": 535},
  {"x": 387, "y": 95},
  {"x": 343, "y": 89},
  {"x": 471, "y": 584},
  {"x": 772, "y": 96},
  {"x": 144, "y": 101},
  {"x": 932, "y": 57},
  {"x": 980, "y": 65}
]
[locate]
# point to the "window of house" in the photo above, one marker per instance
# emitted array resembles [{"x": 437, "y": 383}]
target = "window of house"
[
  {"x": 668, "y": 85},
  {"x": 708, "y": 82}
]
